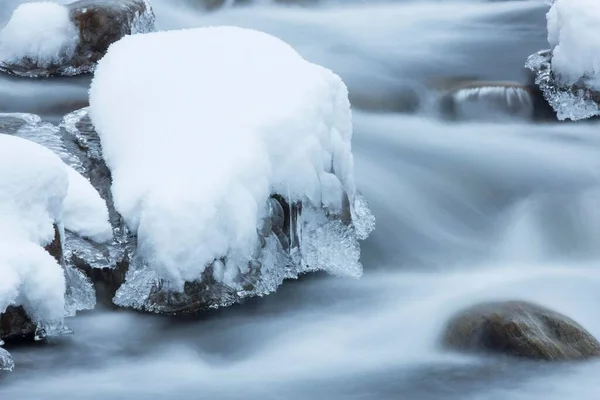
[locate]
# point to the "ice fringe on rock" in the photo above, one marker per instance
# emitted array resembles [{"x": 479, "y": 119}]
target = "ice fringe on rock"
[
  {"x": 33, "y": 185},
  {"x": 233, "y": 178},
  {"x": 569, "y": 73},
  {"x": 6, "y": 360}
]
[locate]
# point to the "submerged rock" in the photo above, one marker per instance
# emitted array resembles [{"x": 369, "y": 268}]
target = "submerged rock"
[
  {"x": 519, "y": 329},
  {"x": 485, "y": 100},
  {"x": 88, "y": 29}
]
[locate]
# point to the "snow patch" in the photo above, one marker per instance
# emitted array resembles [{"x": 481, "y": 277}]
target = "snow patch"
[
  {"x": 41, "y": 32},
  {"x": 195, "y": 160},
  {"x": 84, "y": 211}
]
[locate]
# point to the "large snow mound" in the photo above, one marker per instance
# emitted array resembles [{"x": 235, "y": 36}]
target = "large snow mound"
[
  {"x": 194, "y": 157},
  {"x": 575, "y": 39},
  {"x": 33, "y": 185},
  {"x": 41, "y": 32}
]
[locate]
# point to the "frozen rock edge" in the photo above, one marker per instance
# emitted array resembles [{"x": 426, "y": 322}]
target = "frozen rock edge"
[
  {"x": 569, "y": 85},
  {"x": 569, "y": 102}
]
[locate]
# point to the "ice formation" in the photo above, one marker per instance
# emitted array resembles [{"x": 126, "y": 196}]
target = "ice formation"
[
  {"x": 41, "y": 33},
  {"x": 6, "y": 360},
  {"x": 33, "y": 185},
  {"x": 569, "y": 73},
  {"x": 195, "y": 161}
]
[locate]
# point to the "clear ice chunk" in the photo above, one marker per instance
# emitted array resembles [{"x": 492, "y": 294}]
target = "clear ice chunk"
[
  {"x": 574, "y": 103},
  {"x": 6, "y": 360}
]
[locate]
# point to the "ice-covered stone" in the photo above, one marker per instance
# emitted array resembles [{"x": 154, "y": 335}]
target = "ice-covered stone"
[
  {"x": 247, "y": 142},
  {"x": 568, "y": 74},
  {"x": 6, "y": 360}
]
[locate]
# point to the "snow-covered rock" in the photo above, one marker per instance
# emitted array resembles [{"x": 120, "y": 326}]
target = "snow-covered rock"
[
  {"x": 33, "y": 185},
  {"x": 569, "y": 72},
  {"x": 232, "y": 178},
  {"x": 85, "y": 216},
  {"x": 47, "y": 39}
]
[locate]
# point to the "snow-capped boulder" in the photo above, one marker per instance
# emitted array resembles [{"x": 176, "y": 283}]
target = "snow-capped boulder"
[
  {"x": 85, "y": 215},
  {"x": 46, "y": 39},
  {"x": 231, "y": 179},
  {"x": 33, "y": 185},
  {"x": 568, "y": 73}
]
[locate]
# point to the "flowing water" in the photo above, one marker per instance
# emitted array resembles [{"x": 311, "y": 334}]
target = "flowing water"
[{"x": 466, "y": 212}]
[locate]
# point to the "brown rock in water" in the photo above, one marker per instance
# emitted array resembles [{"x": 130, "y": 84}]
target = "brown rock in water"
[
  {"x": 519, "y": 329},
  {"x": 103, "y": 22},
  {"x": 100, "y": 23}
]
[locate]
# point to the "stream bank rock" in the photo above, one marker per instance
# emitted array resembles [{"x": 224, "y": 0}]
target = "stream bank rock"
[
  {"x": 519, "y": 329},
  {"x": 88, "y": 28}
]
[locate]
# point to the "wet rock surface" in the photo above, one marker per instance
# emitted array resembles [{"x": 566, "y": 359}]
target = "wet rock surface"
[{"x": 519, "y": 329}]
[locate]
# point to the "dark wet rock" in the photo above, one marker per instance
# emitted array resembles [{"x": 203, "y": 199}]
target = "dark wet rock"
[
  {"x": 519, "y": 329},
  {"x": 99, "y": 23},
  {"x": 16, "y": 326},
  {"x": 55, "y": 247},
  {"x": 106, "y": 280}
]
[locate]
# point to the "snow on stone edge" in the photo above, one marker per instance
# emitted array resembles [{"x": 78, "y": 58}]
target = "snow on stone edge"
[{"x": 39, "y": 31}]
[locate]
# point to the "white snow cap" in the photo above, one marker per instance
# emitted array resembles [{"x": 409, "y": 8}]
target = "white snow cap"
[
  {"x": 574, "y": 36},
  {"x": 41, "y": 31},
  {"x": 33, "y": 184},
  {"x": 84, "y": 211},
  {"x": 194, "y": 156}
]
